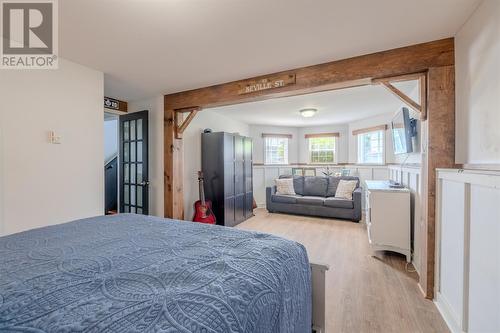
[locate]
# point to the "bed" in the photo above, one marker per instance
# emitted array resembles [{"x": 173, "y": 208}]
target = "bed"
[{"x": 134, "y": 273}]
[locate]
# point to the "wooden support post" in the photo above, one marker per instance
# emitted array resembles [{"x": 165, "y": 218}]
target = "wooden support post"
[
  {"x": 440, "y": 154},
  {"x": 174, "y": 200}
]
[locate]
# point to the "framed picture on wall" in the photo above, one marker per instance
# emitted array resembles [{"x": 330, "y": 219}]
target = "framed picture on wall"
[
  {"x": 310, "y": 172},
  {"x": 297, "y": 171}
]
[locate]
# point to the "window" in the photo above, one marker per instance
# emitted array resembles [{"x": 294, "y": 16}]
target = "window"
[
  {"x": 371, "y": 147},
  {"x": 276, "y": 150},
  {"x": 322, "y": 149}
]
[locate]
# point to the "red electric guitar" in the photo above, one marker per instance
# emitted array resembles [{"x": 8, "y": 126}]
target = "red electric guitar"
[{"x": 203, "y": 208}]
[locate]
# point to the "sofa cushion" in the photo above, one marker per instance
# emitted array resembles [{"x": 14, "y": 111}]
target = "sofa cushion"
[
  {"x": 333, "y": 182},
  {"x": 298, "y": 184},
  {"x": 310, "y": 200},
  {"x": 345, "y": 189},
  {"x": 339, "y": 203},
  {"x": 284, "y": 186},
  {"x": 315, "y": 186},
  {"x": 288, "y": 199}
]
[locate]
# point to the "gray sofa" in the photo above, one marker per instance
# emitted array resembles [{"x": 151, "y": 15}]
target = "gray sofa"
[{"x": 316, "y": 196}]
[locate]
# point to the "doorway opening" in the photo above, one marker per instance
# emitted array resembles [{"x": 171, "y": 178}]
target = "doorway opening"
[{"x": 111, "y": 160}]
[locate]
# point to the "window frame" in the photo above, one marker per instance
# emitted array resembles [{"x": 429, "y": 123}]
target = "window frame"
[
  {"x": 383, "y": 153},
  {"x": 335, "y": 152},
  {"x": 286, "y": 153}
]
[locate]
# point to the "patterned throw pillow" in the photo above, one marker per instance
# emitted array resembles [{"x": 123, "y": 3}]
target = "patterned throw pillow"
[
  {"x": 345, "y": 189},
  {"x": 284, "y": 186}
]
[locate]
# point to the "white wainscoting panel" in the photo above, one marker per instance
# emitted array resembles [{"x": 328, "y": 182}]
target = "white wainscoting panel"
[
  {"x": 410, "y": 176},
  {"x": 484, "y": 259},
  {"x": 468, "y": 249},
  {"x": 452, "y": 247}
]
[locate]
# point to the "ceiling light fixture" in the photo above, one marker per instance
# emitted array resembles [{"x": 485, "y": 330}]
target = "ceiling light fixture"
[{"x": 308, "y": 113}]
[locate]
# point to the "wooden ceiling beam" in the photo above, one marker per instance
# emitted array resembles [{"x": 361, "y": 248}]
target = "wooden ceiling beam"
[{"x": 332, "y": 75}]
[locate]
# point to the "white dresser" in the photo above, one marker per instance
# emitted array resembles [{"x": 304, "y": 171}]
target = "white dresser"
[{"x": 388, "y": 217}]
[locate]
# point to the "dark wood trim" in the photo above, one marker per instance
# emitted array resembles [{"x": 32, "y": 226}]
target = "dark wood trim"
[
  {"x": 271, "y": 135},
  {"x": 322, "y": 135},
  {"x": 370, "y": 129}
]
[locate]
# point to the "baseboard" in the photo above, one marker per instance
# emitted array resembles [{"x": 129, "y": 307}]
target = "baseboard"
[{"x": 447, "y": 313}]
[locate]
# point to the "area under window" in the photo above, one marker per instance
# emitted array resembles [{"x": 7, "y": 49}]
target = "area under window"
[
  {"x": 276, "y": 150},
  {"x": 371, "y": 147},
  {"x": 322, "y": 150}
]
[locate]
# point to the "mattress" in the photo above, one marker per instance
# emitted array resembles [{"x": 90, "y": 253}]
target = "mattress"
[{"x": 134, "y": 273}]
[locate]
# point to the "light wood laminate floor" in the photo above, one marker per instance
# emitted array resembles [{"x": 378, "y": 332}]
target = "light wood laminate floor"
[{"x": 364, "y": 293}]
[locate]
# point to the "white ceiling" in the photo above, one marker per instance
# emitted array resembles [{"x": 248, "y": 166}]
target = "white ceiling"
[
  {"x": 146, "y": 47},
  {"x": 334, "y": 107}
]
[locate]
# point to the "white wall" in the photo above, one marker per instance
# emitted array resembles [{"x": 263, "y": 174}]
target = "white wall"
[
  {"x": 298, "y": 149},
  {"x": 156, "y": 163},
  {"x": 192, "y": 150},
  {"x": 384, "y": 119},
  {"x": 412, "y": 158},
  {"x": 42, "y": 183},
  {"x": 342, "y": 141},
  {"x": 110, "y": 139},
  {"x": 258, "y": 142},
  {"x": 477, "y": 52}
]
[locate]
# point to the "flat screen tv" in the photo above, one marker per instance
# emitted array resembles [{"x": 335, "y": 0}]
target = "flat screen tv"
[{"x": 402, "y": 132}]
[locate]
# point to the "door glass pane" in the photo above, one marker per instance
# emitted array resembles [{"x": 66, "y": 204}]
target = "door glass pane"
[
  {"x": 125, "y": 130},
  {"x": 139, "y": 151},
  {"x": 132, "y": 130},
  {"x": 132, "y": 174},
  {"x": 125, "y": 194},
  {"x": 139, "y": 129},
  {"x": 139, "y": 195},
  {"x": 126, "y": 174},
  {"x": 126, "y": 209},
  {"x": 132, "y": 152},
  {"x": 139, "y": 210},
  {"x": 132, "y": 195},
  {"x": 139, "y": 173},
  {"x": 126, "y": 153},
  {"x": 132, "y": 209}
]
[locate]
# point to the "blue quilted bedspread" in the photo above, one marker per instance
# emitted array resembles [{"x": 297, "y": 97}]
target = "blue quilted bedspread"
[{"x": 132, "y": 273}]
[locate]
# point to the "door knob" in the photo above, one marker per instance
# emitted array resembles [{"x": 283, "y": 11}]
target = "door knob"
[{"x": 145, "y": 183}]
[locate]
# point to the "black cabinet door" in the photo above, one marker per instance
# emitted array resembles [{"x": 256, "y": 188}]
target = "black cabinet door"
[
  {"x": 239, "y": 208},
  {"x": 229, "y": 212},
  {"x": 248, "y": 205}
]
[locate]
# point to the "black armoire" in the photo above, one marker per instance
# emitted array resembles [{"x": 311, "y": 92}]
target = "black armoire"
[{"x": 227, "y": 169}]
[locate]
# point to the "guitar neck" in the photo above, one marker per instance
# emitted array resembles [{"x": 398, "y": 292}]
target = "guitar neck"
[{"x": 202, "y": 192}]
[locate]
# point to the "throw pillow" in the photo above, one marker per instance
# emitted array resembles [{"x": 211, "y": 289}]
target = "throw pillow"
[
  {"x": 345, "y": 189},
  {"x": 284, "y": 186}
]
